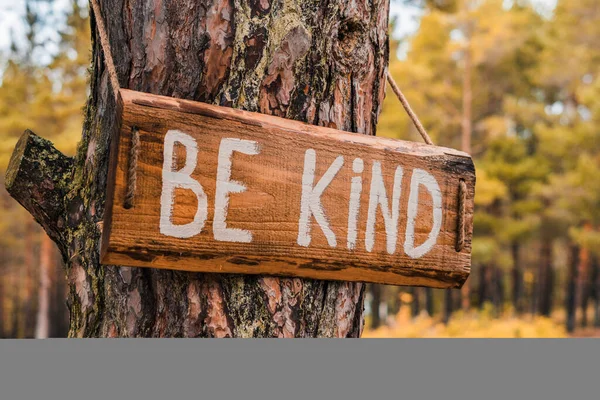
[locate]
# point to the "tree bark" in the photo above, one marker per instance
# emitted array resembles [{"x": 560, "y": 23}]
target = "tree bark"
[{"x": 319, "y": 62}]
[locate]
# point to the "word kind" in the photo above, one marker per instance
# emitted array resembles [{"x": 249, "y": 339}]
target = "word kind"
[{"x": 310, "y": 205}]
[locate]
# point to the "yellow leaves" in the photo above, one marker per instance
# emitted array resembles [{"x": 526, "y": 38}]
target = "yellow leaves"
[
  {"x": 570, "y": 51},
  {"x": 475, "y": 324},
  {"x": 589, "y": 93},
  {"x": 586, "y": 239},
  {"x": 47, "y": 99},
  {"x": 488, "y": 189},
  {"x": 497, "y": 126},
  {"x": 489, "y": 30},
  {"x": 430, "y": 43},
  {"x": 485, "y": 249}
]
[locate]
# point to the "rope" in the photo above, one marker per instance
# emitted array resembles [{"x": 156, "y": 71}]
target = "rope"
[
  {"x": 110, "y": 65},
  {"x": 462, "y": 186},
  {"x": 462, "y": 211},
  {"x": 114, "y": 82},
  {"x": 409, "y": 110},
  {"x": 132, "y": 171}
]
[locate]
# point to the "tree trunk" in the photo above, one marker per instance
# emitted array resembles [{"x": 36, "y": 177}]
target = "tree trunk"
[
  {"x": 59, "y": 326},
  {"x": 448, "y": 305},
  {"x": 481, "y": 287},
  {"x": 429, "y": 301},
  {"x": 2, "y": 296},
  {"x": 595, "y": 292},
  {"x": 517, "y": 279},
  {"x": 467, "y": 132},
  {"x": 571, "y": 305},
  {"x": 375, "y": 306},
  {"x": 545, "y": 279},
  {"x": 319, "y": 62},
  {"x": 467, "y": 98},
  {"x": 583, "y": 277},
  {"x": 15, "y": 309},
  {"x": 394, "y": 299},
  {"x": 42, "y": 329},
  {"x": 584, "y": 307},
  {"x": 25, "y": 272},
  {"x": 416, "y": 302},
  {"x": 534, "y": 296},
  {"x": 488, "y": 289},
  {"x": 498, "y": 291}
]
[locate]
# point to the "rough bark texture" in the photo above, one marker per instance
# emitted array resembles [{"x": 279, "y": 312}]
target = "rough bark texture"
[
  {"x": 38, "y": 176},
  {"x": 319, "y": 62}
]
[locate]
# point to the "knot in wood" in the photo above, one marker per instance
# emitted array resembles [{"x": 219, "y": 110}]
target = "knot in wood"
[
  {"x": 350, "y": 47},
  {"x": 260, "y": 7}
]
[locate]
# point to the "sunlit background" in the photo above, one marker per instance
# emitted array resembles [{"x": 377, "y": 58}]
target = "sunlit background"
[{"x": 514, "y": 83}]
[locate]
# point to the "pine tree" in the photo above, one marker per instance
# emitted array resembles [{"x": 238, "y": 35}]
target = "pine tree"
[{"x": 38, "y": 96}]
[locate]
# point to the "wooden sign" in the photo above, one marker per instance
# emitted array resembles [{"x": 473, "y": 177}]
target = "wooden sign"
[{"x": 215, "y": 189}]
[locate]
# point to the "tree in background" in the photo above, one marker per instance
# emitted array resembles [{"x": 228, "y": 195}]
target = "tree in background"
[
  {"x": 569, "y": 75},
  {"x": 463, "y": 72},
  {"x": 48, "y": 97},
  {"x": 519, "y": 89}
]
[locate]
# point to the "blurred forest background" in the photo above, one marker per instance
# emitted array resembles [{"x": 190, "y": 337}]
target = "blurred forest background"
[{"x": 516, "y": 83}]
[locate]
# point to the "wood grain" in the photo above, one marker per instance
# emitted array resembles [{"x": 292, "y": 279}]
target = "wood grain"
[{"x": 270, "y": 206}]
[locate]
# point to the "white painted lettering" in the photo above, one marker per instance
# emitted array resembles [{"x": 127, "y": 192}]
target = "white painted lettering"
[
  {"x": 310, "y": 203},
  {"x": 172, "y": 180},
  {"x": 378, "y": 197},
  {"x": 421, "y": 177},
  {"x": 226, "y": 185},
  {"x": 354, "y": 208}
]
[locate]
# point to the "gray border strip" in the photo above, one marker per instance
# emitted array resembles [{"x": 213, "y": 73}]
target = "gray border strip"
[{"x": 299, "y": 369}]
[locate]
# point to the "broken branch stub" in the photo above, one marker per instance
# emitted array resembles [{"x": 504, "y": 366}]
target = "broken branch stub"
[{"x": 38, "y": 177}]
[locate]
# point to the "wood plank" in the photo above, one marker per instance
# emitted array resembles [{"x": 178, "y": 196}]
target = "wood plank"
[{"x": 264, "y": 221}]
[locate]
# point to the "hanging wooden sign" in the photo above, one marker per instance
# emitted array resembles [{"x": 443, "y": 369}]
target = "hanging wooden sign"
[{"x": 198, "y": 187}]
